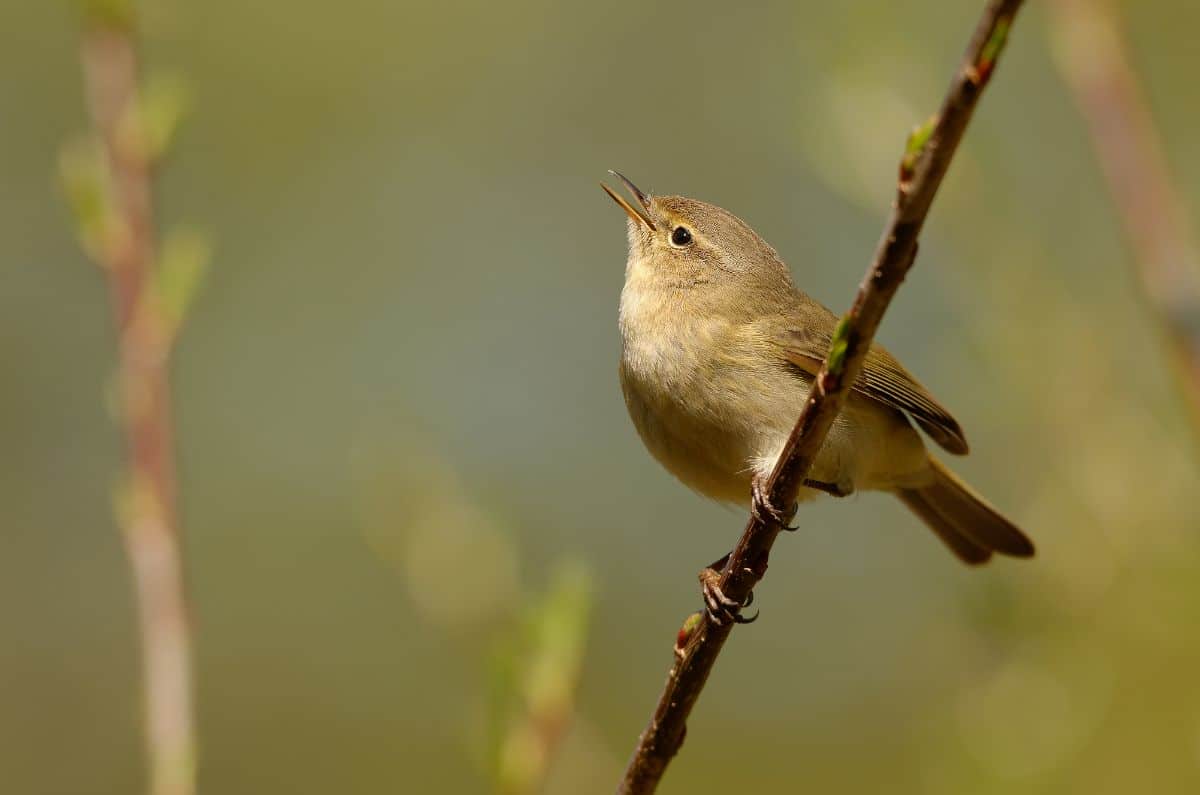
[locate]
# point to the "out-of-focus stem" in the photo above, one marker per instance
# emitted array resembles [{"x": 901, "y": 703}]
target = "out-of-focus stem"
[
  {"x": 546, "y": 687},
  {"x": 1094, "y": 58},
  {"x": 147, "y": 511}
]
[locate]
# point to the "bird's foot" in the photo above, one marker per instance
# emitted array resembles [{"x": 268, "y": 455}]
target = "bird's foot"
[
  {"x": 719, "y": 608},
  {"x": 764, "y": 510}
]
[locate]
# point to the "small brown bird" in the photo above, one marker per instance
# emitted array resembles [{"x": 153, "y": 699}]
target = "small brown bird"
[{"x": 718, "y": 351}]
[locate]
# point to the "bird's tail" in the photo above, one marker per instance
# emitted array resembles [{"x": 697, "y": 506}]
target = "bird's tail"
[{"x": 965, "y": 522}]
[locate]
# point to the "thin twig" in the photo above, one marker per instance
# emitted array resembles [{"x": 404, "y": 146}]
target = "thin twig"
[
  {"x": 930, "y": 149},
  {"x": 147, "y": 511},
  {"x": 1094, "y": 58}
]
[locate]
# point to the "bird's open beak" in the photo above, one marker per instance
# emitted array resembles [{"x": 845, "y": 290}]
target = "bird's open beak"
[{"x": 638, "y": 215}]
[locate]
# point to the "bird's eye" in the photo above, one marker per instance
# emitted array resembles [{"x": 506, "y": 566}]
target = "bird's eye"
[{"x": 681, "y": 236}]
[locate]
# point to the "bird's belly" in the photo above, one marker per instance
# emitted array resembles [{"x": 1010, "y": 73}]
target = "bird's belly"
[
  {"x": 704, "y": 453},
  {"x": 730, "y": 429},
  {"x": 708, "y": 422}
]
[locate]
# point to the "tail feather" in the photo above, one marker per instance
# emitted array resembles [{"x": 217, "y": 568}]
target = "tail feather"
[
  {"x": 965, "y": 521},
  {"x": 964, "y": 548}
]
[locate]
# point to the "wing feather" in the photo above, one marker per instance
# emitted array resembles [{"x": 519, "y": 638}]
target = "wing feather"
[{"x": 883, "y": 379}]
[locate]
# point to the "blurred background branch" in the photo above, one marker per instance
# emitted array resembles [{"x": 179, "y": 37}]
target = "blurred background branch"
[
  {"x": 925, "y": 161},
  {"x": 1093, "y": 55},
  {"x": 535, "y": 675},
  {"x": 107, "y": 177}
]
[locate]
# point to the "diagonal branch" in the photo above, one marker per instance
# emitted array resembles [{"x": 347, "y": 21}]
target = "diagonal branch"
[{"x": 926, "y": 159}]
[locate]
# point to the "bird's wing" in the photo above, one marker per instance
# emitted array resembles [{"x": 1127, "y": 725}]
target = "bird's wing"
[{"x": 883, "y": 379}]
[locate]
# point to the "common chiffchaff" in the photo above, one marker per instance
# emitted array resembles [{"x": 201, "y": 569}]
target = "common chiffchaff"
[{"x": 718, "y": 351}]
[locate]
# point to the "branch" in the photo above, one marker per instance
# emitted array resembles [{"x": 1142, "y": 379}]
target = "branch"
[
  {"x": 108, "y": 181},
  {"x": 1094, "y": 58},
  {"x": 926, "y": 158},
  {"x": 536, "y": 678}
]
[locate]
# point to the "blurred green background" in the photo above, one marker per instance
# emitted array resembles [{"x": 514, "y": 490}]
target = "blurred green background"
[{"x": 397, "y": 404}]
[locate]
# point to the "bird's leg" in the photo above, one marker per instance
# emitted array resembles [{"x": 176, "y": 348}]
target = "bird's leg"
[
  {"x": 764, "y": 510},
  {"x": 719, "y": 608},
  {"x": 832, "y": 489}
]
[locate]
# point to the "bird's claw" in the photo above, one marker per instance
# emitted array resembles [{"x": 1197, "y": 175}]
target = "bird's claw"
[
  {"x": 765, "y": 511},
  {"x": 719, "y": 608}
]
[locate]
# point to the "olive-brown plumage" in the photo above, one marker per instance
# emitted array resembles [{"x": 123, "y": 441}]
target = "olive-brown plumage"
[{"x": 718, "y": 351}]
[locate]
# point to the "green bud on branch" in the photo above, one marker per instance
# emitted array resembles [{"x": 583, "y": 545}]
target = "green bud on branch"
[
  {"x": 115, "y": 14},
  {"x": 149, "y": 124},
  {"x": 914, "y": 147},
  {"x": 183, "y": 261},
  {"x": 86, "y": 181},
  {"x": 839, "y": 346},
  {"x": 991, "y": 50}
]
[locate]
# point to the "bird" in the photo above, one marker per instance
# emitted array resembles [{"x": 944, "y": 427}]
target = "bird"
[{"x": 719, "y": 350}]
